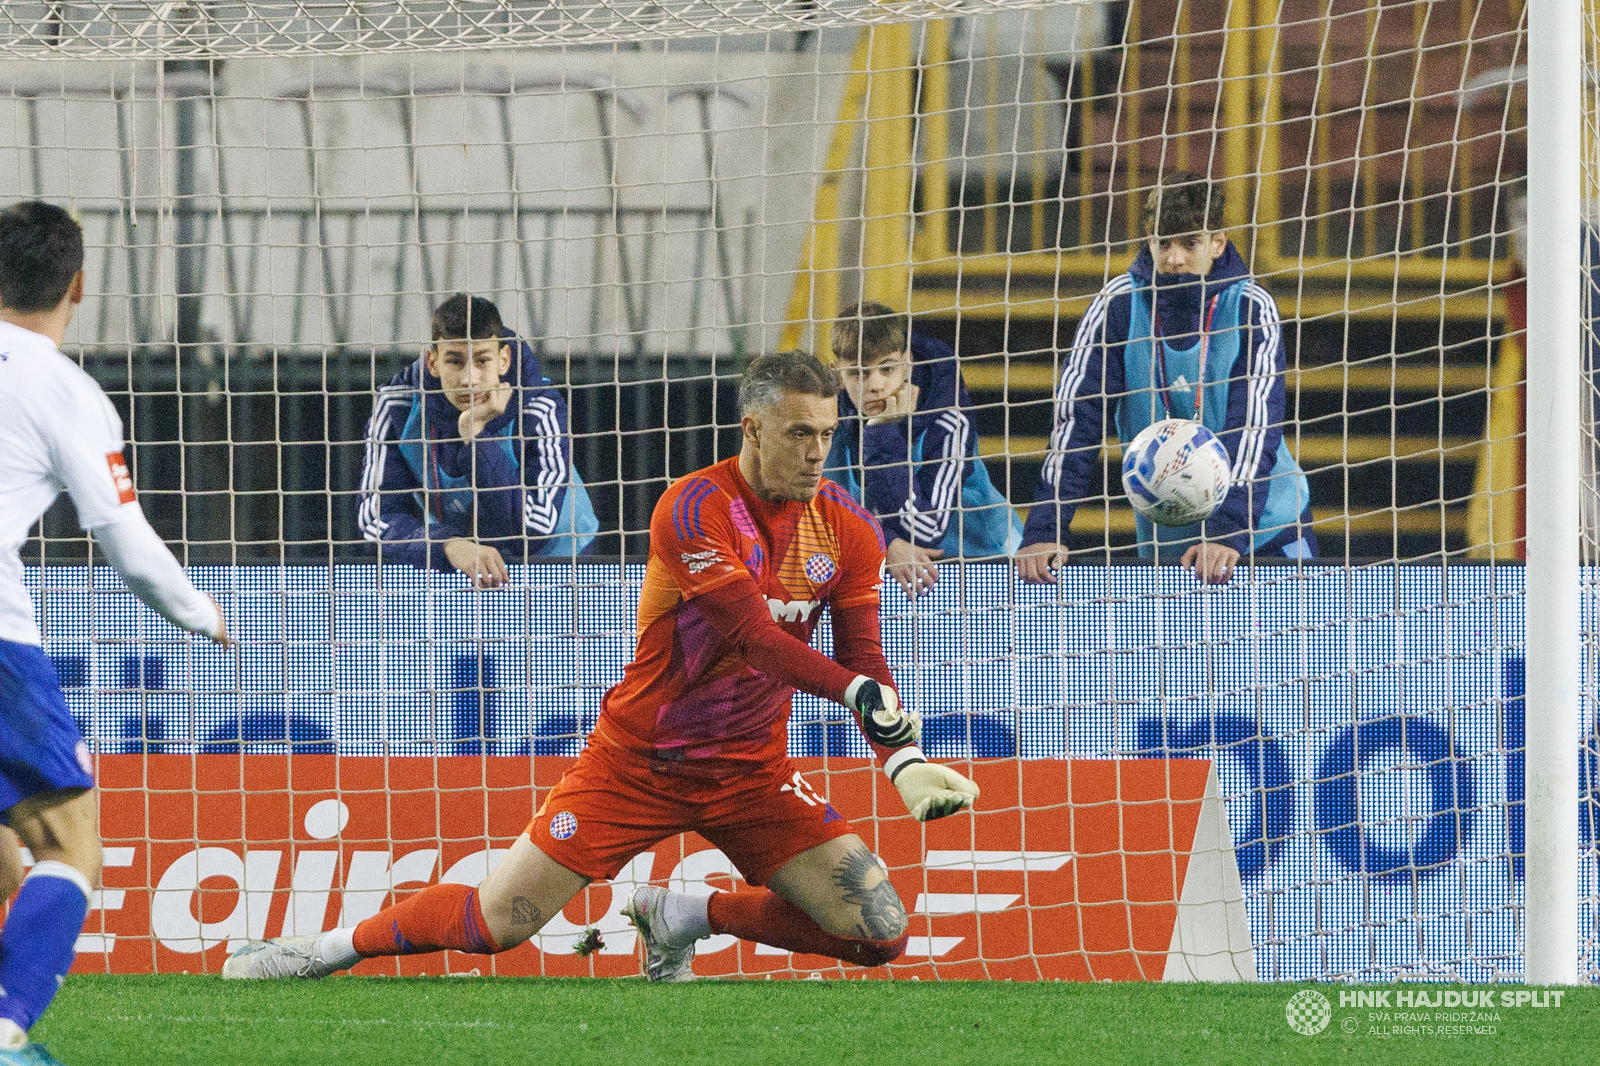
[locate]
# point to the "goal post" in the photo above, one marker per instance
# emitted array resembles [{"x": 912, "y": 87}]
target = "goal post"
[
  {"x": 1357, "y": 766},
  {"x": 1556, "y": 36}
]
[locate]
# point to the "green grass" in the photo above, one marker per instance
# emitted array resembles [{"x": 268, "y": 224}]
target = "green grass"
[{"x": 152, "y": 1021}]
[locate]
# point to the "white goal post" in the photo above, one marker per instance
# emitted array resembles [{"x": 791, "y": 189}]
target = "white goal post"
[
  {"x": 1556, "y": 115},
  {"x": 1379, "y": 763}
]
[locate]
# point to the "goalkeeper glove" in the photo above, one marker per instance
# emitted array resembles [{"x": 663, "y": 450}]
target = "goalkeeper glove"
[
  {"x": 882, "y": 719},
  {"x": 929, "y": 790}
]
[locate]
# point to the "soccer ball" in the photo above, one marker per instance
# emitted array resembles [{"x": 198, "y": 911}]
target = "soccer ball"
[{"x": 1176, "y": 472}]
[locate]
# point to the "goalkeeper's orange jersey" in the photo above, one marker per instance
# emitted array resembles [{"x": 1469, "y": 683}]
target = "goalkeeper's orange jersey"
[{"x": 690, "y": 702}]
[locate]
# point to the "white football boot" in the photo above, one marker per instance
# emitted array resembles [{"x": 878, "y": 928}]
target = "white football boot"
[
  {"x": 285, "y": 956},
  {"x": 665, "y": 959}
]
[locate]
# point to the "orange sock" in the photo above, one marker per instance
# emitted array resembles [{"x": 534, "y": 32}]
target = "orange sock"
[
  {"x": 438, "y": 918},
  {"x": 767, "y": 918}
]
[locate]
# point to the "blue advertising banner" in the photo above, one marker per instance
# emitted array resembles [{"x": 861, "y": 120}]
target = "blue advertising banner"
[{"x": 1367, "y": 723}]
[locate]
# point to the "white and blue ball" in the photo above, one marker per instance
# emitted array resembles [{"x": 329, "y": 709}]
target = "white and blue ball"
[{"x": 1176, "y": 472}]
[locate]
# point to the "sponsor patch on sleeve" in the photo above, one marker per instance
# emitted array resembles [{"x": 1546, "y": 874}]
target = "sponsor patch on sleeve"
[
  {"x": 698, "y": 561},
  {"x": 120, "y": 477}
]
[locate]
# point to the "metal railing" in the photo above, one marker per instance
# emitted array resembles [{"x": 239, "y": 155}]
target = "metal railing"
[
  {"x": 368, "y": 275},
  {"x": 1370, "y": 158}
]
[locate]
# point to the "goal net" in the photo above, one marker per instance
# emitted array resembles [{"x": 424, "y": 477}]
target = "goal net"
[{"x": 1314, "y": 770}]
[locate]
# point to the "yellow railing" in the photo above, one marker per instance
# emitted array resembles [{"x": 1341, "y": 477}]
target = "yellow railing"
[
  {"x": 899, "y": 100},
  {"x": 1494, "y": 514},
  {"x": 878, "y": 105}
]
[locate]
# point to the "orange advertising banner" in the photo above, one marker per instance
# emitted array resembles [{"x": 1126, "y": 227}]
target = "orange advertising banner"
[{"x": 1069, "y": 869}]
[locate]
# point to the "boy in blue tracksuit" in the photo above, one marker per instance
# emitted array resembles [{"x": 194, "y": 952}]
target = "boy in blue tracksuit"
[
  {"x": 468, "y": 464},
  {"x": 1185, "y": 333},
  {"x": 906, "y": 447}
]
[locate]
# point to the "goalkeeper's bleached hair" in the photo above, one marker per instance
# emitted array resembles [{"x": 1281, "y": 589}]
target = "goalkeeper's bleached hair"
[
  {"x": 1183, "y": 203},
  {"x": 768, "y": 377}
]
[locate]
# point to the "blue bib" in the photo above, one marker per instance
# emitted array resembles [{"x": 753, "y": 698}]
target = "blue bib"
[
  {"x": 1288, "y": 492},
  {"x": 452, "y": 497},
  {"x": 986, "y": 524}
]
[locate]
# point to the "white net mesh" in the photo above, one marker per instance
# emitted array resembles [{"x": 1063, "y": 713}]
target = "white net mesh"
[
  {"x": 274, "y": 206},
  {"x": 278, "y": 28}
]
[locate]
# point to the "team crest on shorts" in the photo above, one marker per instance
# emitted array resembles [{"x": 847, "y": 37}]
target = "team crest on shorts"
[
  {"x": 563, "y": 825},
  {"x": 85, "y": 760},
  {"x": 819, "y": 568}
]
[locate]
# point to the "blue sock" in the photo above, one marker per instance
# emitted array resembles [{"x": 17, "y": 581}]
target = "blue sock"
[{"x": 36, "y": 945}]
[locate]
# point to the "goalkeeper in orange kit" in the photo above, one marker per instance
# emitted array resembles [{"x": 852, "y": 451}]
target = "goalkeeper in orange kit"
[{"x": 744, "y": 557}]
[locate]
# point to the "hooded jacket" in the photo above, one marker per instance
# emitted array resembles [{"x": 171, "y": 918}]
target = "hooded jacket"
[
  {"x": 920, "y": 476},
  {"x": 514, "y": 487},
  {"x": 1114, "y": 368}
]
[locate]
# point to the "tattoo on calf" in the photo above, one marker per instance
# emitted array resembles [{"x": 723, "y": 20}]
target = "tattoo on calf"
[
  {"x": 523, "y": 912},
  {"x": 883, "y": 917}
]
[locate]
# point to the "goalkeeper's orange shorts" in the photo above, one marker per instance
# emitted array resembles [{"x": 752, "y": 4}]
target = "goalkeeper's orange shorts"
[{"x": 609, "y": 807}]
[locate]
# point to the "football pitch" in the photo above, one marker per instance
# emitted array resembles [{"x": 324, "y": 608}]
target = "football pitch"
[{"x": 123, "y": 1021}]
